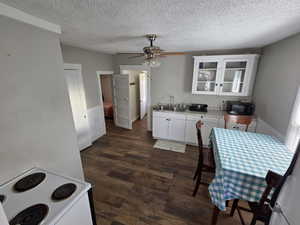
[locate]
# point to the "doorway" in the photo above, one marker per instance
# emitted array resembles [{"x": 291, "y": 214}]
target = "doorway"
[
  {"x": 107, "y": 95},
  {"x": 105, "y": 90},
  {"x": 139, "y": 93},
  {"x": 126, "y": 96}
]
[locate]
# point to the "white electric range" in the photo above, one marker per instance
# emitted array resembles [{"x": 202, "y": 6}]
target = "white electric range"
[{"x": 41, "y": 197}]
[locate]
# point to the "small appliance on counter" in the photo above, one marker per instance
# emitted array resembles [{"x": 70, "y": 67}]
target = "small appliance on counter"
[
  {"x": 240, "y": 108},
  {"x": 198, "y": 107},
  {"x": 41, "y": 197}
]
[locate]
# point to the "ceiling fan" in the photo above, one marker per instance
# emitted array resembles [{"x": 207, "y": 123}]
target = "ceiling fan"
[{"x": 152, "y": 52}]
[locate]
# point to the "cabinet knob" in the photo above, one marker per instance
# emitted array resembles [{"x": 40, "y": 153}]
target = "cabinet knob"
[
  {"x": 221, "y": 85},
  {"x": 216, "y": 84}
]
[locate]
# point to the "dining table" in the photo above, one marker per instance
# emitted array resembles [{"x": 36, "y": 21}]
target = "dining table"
[{"x": 243, "y": 160}]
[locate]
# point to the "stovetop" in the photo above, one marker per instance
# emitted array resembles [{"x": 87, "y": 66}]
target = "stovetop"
[{"x": 40, "y": 195}]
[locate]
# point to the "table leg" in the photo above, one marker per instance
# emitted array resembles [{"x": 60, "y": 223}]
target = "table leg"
[{"x": 215, "y": 215}]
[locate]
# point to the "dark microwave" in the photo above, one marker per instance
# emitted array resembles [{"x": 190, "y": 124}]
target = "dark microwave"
[{"x": 240, "y": 108}]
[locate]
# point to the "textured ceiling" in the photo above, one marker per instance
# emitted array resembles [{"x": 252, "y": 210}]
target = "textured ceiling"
[{"x": 114, "y": 26}]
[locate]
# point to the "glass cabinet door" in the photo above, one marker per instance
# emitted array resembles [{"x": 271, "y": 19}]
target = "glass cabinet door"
[
  {"x": 206, "y": 76},
  {"x": 234, "y": 77}
]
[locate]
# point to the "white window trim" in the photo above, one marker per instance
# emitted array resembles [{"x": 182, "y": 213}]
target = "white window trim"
[{"x": 293, "y": 132}]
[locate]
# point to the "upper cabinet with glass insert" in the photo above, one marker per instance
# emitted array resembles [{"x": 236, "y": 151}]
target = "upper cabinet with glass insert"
[{"x": 231, "y": 75}]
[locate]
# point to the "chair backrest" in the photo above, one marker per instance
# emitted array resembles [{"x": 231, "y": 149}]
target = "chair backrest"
[
  {"x": 273, "y": 181},
  {"x": 287, "y": 173},
  {"x": 199, "y": 136},
  {"x": 239, "y": 119}
]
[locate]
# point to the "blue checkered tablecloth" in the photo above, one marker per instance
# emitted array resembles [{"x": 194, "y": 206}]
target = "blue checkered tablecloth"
[{"x": 242, "y": 162}]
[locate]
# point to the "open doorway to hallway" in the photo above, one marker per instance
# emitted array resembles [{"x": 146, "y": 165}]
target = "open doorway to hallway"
[
  {"x": 107, "y": 96},
  {"x": 105, "y": 91},
  {"x": 125, "y": 97},
  {"x": 138, "y": 100}
]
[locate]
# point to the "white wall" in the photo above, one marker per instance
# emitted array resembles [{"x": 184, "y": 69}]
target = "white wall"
[
  {"x": 174, "y": 77},
  {"x": 289, "y": 199},
  {"x": 91, "y": 62},
  {"x": 36, "y": 126},
  {"x": 277, "y": 81}
]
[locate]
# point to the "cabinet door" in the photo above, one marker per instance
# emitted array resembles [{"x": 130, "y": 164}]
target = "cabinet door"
[
  {"x": 160, "y": 127},
  {"x": 235, "y": 77},
  {"x": 191, "y": 132},
  {"x": 205, "y": 78},
  {"x": 177, "y": 129},
  {"x": 206, "y": 130},
  {"x": 155, "y": 126}
]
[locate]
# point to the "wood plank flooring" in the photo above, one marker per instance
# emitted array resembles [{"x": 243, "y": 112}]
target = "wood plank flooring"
[{"x": 136, "y": 184}]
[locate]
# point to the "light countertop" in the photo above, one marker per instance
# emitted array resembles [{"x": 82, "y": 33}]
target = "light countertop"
[{"x": 210, "y": 113}]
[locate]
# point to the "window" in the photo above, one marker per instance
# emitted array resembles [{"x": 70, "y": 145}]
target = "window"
[{"x": 293, "y": 133}]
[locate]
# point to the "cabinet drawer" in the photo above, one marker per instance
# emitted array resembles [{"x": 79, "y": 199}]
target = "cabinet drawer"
[
  {"x": 170, "y": 115},
  {"x": 195, "y": 117},
  {"x": 160, "y": 114},
  {"x": 177, "y": 116}
]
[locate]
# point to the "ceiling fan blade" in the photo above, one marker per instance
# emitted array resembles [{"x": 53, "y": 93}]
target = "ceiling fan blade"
[
  {"x": 136, "y": 56},
  {"x": 173, "y": 53}
]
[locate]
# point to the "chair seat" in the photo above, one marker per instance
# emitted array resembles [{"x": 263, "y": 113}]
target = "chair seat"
[{"x": 262, "y": 212}]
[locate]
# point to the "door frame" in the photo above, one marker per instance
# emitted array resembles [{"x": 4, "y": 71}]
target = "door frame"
[
  {"x": 70, "y": 66},
  {"x": 148, "y": 70},
  {"x": 140, "y": 84},
  {"x": 98, "y": 74}
]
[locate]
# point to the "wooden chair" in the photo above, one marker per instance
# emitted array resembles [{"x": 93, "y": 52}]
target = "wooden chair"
[
  {"x": 205, "y": 161},
  {"x": 239, "y": 119},
  {"x": 261, "y": 210}
]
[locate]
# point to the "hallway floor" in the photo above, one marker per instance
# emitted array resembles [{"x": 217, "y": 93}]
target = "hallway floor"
[{"x": 136, "y": 184}]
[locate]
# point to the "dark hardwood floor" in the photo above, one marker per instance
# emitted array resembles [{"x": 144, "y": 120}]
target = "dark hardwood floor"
[{"x": 136, "y": 184}]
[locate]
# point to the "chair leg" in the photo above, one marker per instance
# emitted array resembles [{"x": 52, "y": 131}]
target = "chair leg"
[
  {"x": 241, "y": 217},
  {"x": 196, "y": 173},
  {"x": 197, "y": 170},
  {"x": 253, "y": 221},
  {"x": 197, "y": 183},
  {"x": 214, "y": 219},
  {"x": 234, "y": 206}
]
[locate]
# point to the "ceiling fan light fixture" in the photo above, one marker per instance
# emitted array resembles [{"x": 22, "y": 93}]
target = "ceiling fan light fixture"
[{"x": 152, "y": 62}]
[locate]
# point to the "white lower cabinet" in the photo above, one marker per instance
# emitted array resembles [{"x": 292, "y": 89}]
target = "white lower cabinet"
[
  {"x": 177, "y": 129},
  {"x": 191, "y": 133},
  {"x": 208, "y": 124},
  {"x": 182, "y": 126},
  {"x": 169, "y": 126},
  {"x": 160, "y": 127}
]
